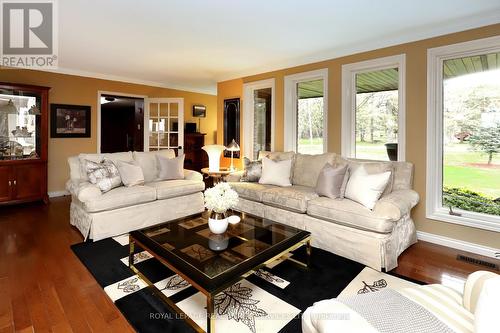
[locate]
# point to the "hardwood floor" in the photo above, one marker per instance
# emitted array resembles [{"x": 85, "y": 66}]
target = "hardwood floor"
[
  {"x": 45, "y": 288},
  {"x": 43, "y": 285}
]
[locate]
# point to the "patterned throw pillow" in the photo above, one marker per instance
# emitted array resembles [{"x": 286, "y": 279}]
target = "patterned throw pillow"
[
  {"x": 105, "y": 174},
  {"x": 253, "y": 170}
]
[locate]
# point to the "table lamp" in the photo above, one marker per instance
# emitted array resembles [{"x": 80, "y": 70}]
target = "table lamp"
[
  {"x": 213, "y": 152},
  {"x": 232, "y": 147}
]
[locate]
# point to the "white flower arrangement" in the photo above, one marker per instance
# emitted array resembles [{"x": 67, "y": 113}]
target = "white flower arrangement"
[{"x": 220, "y": 198}]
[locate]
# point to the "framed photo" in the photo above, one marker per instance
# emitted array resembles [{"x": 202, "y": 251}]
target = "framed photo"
[
  {"x": 199, "y": 111},
  {"x": 69, "y": 121}
]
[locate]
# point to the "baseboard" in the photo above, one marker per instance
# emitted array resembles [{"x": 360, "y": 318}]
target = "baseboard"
[
  {"x": 459, "y": 244},
  {"x": 58, "y": 194}
]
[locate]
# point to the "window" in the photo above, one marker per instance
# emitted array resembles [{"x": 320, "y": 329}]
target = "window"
[
  {"x": 306, "y": 112},
  {"x": 258, "y": 130},
  {"x": 463, "y": 180},
  {"x": 373, "y": 109}
]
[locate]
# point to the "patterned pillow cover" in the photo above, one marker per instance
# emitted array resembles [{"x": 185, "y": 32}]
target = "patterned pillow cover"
[
  {"x": 252, "y": 172},
  {"x": 105, "y": 174}
]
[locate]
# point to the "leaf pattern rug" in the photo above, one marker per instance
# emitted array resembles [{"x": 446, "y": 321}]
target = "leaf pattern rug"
[{"x": 269, "y": 301}]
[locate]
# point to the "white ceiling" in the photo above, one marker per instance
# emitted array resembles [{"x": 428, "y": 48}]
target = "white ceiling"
[{"x": 193, "y": 44}]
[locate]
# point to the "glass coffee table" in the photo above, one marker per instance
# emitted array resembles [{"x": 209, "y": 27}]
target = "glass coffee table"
[{"x": 212, "y": 263}]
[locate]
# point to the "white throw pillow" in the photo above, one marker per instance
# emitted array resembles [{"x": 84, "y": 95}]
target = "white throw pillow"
[
  {"x": 366, "y": 189},
  {"x": 131, "y": 173},
  {"x": 486, "y": 314},
  {"x": 171, "y": 168},
  {"x": 276, "y": 172}
]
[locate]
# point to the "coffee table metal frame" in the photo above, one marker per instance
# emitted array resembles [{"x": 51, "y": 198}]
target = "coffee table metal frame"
[{"x": 209, "y": 294}]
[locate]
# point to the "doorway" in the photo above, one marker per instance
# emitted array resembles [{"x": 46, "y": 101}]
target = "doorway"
[{"x": 121, "y": 123}]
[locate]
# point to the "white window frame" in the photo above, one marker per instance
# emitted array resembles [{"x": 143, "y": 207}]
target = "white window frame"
[
  {"x": 290, "y": 116},
  {"x": 434, "y": 203},
  {"x": 248, "y": 115},
  {"x": 349, "y": 71}
]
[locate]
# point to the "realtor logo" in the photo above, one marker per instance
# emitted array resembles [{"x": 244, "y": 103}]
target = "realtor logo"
[{"x": 29, "y": 34}]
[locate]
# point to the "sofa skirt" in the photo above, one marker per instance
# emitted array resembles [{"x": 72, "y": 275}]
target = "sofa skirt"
[
  {"x": 376, "y": 250},
  {"x": 100, "y": 225}
]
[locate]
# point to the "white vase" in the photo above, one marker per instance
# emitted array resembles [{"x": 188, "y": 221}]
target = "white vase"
[{"x": 217, "y": 223}]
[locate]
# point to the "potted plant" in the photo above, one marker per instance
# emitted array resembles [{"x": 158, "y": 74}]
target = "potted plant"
[
  {"x": 218, "y": 200},
  {"x": 392, "y": 151}
]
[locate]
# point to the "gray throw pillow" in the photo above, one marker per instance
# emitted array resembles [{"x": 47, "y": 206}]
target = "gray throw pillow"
[
  {"x": 252, "y": 172},
  {"x": 105, "y": 175},
  {"x": 171, "y": 168},
  {"x": 330, "y": 181}
]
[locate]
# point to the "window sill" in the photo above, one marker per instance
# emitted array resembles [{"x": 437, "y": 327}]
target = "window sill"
[{"x": 469, "y": 219}]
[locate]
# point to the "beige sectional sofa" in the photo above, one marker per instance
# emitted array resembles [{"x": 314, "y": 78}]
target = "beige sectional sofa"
[
  {"x": 373, "y": 237},
  {"x": 100, "y": 215}
]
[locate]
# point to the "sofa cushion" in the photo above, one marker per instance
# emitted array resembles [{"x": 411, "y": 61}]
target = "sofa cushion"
[
  {"x": 349, "y": 213},
  {"x": 120, "y": 197},
  {"x": 166, "y": 189},
  {"x": 293, "y": 198},
  {"x": 306, "y": 168},
  {"x": 149, "y": 164},
  {"x": 250, "y": 191}
]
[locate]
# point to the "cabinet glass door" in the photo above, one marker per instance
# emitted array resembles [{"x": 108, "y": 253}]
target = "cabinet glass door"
[
  {"x": 20, "y": 119},
  {"x": 165, "y": 129}
]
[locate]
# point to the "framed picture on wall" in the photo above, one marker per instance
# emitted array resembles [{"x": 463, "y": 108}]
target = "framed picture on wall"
[
  {"x": 199, "y": 111},
  {"x": 69, "y": 121}
]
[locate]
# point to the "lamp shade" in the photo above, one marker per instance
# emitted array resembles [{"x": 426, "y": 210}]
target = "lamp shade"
[
  {"x": 214, "y": 152},
  {"x": 233, "y": 146},
  {"x": 10, "y": 108}
]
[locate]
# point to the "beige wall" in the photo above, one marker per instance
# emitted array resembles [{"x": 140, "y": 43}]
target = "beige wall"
[
  {"x": 416, "y": 98},
  {"x": 69, "y": 89}
]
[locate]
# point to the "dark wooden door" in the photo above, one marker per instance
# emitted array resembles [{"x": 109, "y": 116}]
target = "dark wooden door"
[
  {"x": 28, "y": 181},
  {"x": 5, "y": 183}
]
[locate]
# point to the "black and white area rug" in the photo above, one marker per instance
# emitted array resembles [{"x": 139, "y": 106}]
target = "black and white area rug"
[{"x": 271, "y": 300}]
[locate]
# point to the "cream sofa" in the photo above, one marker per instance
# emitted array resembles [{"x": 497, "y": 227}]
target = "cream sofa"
[
  {"x": 373, "y": 237},
  {"x": 100, "y": 215},
  {"x": 455, "y": 312}
]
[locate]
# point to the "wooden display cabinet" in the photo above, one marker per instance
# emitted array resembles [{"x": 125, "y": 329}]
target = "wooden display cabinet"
[{"x": 23, "y": 143}]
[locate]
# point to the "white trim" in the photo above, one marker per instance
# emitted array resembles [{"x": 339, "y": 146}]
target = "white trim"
[
  {"x": 459, "y": 244},
  {"x": 290, "y": 116},
  {"x": 349, "y": 71},
  {"x": 248, "y": 119},
  {"x": 434, "y": 181},
  {"x": 55, "y": 194},
  {"x": 99, "y": 94},
  {"x": 118, "y": 78},
  {"x": 180, "y": 119}
]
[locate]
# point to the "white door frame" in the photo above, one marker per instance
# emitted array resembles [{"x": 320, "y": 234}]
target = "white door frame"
[
  {"x": 290, "y": 116},
  {"x": 248, "y": 115},
  {"x": 180, "y": 123},
  {"x": 121, "y": 94},
  {"x": 349, "y": 72}
]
